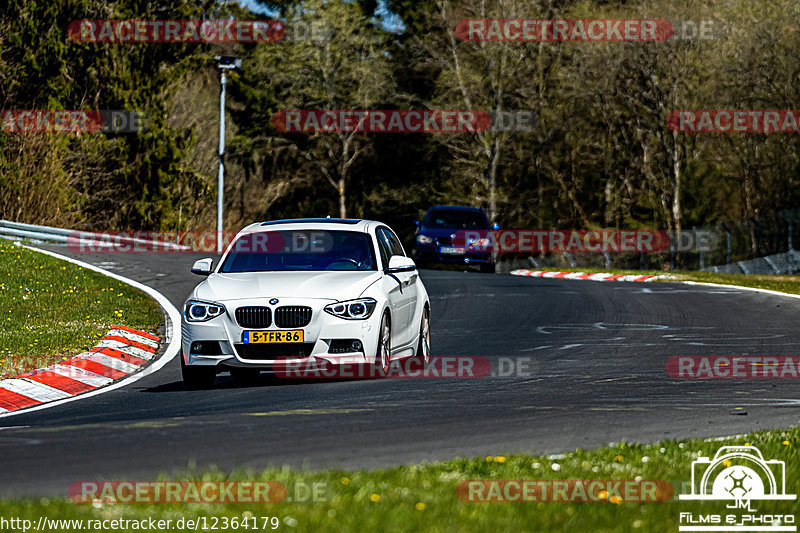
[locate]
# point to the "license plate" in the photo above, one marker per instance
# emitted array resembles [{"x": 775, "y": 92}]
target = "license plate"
[
  {"x": 451, "y": 250},
  {"x": 292, "y": 335}
]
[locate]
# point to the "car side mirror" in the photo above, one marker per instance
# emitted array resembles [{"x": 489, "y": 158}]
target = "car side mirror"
[
  {"x": 202, "y": 267},
  {"x": 495, "y": 226},
  {"x": 400, "y": 263}
]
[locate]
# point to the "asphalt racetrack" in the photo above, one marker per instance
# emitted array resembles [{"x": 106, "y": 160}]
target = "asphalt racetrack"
[{"x": 597, "y": 354}]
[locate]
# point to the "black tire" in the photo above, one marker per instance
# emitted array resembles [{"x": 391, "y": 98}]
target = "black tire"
[
  {"x": 383, "y": 355},
  {"x": 424, "y": 345},
  {"x": 487, "y": 268},
  {"x": 198, "y": 377},
  {"x": 245, "y": 375}
]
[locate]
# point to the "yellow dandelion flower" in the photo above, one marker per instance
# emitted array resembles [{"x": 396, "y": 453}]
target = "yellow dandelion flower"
[{"x": 375, "y": 498}]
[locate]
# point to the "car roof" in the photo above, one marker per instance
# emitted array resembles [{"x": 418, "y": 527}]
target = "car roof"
[
  {"x": 312, "y": 221},
  {"x": 456, "y": 208},
  {"x": 352, "y": 224}
]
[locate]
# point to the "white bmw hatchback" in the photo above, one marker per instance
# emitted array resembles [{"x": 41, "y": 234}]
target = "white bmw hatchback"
[{"x": 313, "y": 291}]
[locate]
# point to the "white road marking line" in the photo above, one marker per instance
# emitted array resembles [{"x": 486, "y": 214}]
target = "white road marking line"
[
  {"x": 126, "y": 348},
  {"x": 79, "y": 374},
  {"x": 133, "y": 336},
  {"x": 83, "y": 355},
  {"x": 33, "y": 390},
  {"x": 111, "y": 362}
]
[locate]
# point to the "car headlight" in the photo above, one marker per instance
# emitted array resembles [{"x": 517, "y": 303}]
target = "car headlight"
[
  {"x": 197, "y": 311},
  {"x": 424, "y": 239},
  {"x": 478, "y": 243},
  {"x": 352, "y": 309}
]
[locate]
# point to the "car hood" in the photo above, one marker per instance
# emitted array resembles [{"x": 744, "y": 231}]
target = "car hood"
[{"x": 339, "y": 285}]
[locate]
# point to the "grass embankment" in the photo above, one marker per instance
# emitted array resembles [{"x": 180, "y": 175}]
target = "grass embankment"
[
  {"x": 423, "y": 497},
  {"x": 51, "y": 310}
]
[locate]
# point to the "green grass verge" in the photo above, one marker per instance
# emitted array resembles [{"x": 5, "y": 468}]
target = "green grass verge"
[
  {"x": 423, "y": 497},
  {"x": 51, "y": 310}
]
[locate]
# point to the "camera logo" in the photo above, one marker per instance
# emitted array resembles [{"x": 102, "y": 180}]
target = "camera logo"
[{"x": 738, "y": 473}]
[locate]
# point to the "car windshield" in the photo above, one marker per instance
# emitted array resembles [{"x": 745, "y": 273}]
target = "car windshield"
[
  {"x": 455, "y": 218},
  {"x": 294, "y": 250}
]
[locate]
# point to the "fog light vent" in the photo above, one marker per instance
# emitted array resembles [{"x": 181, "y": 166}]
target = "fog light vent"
[
  {"x": 346, "y": 346},
  {"x": 206, "y": 348}
]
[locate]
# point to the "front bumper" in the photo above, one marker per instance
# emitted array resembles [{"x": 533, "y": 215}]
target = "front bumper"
[
  {"x": 430, "y": 253},
  {"x": 319, "y": 335}
]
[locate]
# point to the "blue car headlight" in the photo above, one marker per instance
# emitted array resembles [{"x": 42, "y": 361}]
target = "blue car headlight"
[
  {"x": 481, "y": 244},
  {"x": 198, "y": 311},
  {"x": 359, "y": 309},
  {"x": 424, "y": 239}
]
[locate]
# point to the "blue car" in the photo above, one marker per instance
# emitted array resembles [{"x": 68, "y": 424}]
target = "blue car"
[{"x": 440, "y": 237}]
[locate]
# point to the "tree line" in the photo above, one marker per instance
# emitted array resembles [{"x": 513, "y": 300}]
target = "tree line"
[{"x": 602, "y": 154}]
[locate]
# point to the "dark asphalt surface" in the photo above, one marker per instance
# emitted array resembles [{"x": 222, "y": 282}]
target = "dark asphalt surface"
[{"x": 597, "y": 352}]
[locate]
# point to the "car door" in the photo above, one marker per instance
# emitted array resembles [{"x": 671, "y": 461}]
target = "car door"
[
  {"x": 391, "y": 288},
  {"x": 407, "y": 287}
]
